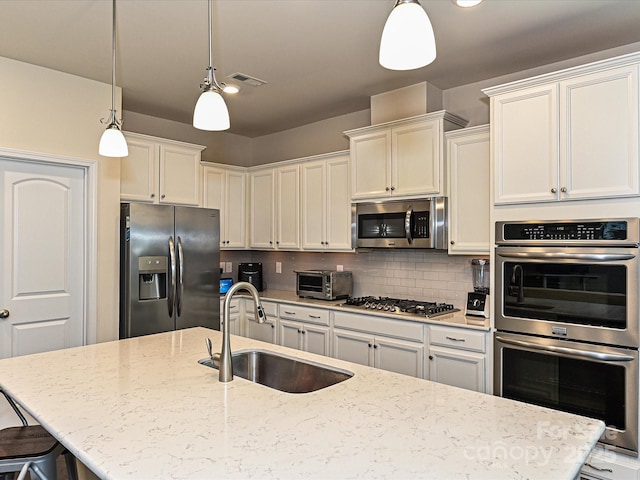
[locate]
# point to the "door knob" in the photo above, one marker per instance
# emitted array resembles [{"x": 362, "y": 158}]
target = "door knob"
[{"x": 4, "y": 313}]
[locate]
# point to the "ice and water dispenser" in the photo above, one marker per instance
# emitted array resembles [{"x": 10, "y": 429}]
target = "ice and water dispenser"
[{"x": 152, "y": 278}]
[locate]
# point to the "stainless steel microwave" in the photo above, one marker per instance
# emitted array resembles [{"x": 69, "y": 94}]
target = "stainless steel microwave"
[
  {"x": 401, "y": 224},
  {"x": 324, "y": 284}
]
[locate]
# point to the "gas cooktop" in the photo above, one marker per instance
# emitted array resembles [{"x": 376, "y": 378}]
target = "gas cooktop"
[{"x": 401, "y": 306}]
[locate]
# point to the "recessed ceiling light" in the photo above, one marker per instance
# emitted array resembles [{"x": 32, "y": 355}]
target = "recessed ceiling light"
[
  {"x": 229, "y": 88},
  {"x": 466, "y": 3}
]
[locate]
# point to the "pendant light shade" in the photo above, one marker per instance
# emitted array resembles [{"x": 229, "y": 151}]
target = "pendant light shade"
[
  {"x": 407, "y": 39},
  {"x": 211, "y": 112},
  {"x": 112, "y": 142}
]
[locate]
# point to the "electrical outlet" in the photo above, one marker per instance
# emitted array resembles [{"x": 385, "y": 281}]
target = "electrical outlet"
[
  {"x": 340, "y": 268},
  {"x": 229, "y": 267},
  {"x": 278, "y": 267},
  {"x": 222, "y": 267}
]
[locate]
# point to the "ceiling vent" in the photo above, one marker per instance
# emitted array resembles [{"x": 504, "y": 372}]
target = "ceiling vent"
[{"x": 241, "y": 77}]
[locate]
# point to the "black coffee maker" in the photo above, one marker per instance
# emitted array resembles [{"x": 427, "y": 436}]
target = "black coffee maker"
[{"x": 252, "y": 273}]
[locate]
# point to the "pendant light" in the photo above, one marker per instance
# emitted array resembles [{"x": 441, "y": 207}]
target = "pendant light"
[
  {"x": 407, "y": 38},
  {"x": 211, "y": 112},
  {"x": 112, "y": 142}
]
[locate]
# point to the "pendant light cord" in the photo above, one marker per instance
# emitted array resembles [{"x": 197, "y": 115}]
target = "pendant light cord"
[
  {"x": 113, "y": 60},
  {"x": 210, "y": 37}
]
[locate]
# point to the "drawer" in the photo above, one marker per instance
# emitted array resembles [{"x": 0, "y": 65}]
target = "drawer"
[
  {"x": 457, "y": 338},
  {"x": 304, "y": 314},
  {"x": 607, "y": 465},
  {"x": 270, "y": 309},
  {"x": 376, "y": 325}
]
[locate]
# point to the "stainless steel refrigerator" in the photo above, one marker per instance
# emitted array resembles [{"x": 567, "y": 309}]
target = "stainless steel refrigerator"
[{"x": 169, "y": 268}]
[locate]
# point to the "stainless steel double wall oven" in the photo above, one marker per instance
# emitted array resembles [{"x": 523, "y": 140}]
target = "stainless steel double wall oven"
[{"x": 567, "y": 320}]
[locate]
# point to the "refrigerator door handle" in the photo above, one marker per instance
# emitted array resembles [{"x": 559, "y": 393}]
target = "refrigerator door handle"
[
  {"x": 180, "y": 287},
  {"x": 172, "y": 277}
]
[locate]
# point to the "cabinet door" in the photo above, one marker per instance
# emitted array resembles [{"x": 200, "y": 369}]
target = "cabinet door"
[
  {"x": 525, "y": 145},
  {"x": 457, "y": 368},
  {"x": 370, "y": 166},
  {"x": 262, "y": 208},
  {"x": 338, "y": 201},
  {"x": 599, "y": 134},
  {"x": 179, "y": 175},
  {"x": 469, "y": 200},
  {"x": 316, "y": 339},
  {"x": 235, "y": 210},
  {"x": 416, "y": 154},
  {"x": 265, "y": 332},
  {"x": 289, "y": 334},
  {"x": 399, "y": 356},
  {"x": 288, "y": 207},
  {"x": 138, "y": 172},
  {"x": 214, "y": 194},
  {"x": 353, "y": 347},
  {"x": 314, "y": 199}
]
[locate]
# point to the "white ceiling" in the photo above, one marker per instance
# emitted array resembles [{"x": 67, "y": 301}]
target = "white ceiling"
[{"x": 319, "y": 57}]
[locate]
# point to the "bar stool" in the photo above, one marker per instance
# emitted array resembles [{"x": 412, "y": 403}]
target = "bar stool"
[{"x": 31, "y": 449}]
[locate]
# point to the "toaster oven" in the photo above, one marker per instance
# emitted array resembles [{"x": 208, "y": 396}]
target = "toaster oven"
[{"x": 324, "y": 284}]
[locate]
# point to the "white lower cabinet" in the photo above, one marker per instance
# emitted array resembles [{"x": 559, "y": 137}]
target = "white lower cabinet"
[
  {"x": 458, "y": 357},
  {"x": 267, "y": 331},
  {"x": 603, "y": 464},
  {"x": 305, "y": 328},
  {"x": 369, "y": 340},
  {"x": 235, "y": 325}
]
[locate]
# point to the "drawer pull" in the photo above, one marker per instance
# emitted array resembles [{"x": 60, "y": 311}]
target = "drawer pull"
[
  {"x": 315, "y": 316},
  {"x": 587, "y": 464},
  {"x": 454, "y": 339},
  {"x": 289, "y": 313}
]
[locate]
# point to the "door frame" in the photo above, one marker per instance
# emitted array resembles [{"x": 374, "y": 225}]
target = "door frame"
[{"x": 90, "y": 167}]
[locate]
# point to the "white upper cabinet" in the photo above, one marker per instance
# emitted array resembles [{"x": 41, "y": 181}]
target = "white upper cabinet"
[
  {"x": 275, "y": 207},
  {"x": 160, "y": 171},
  {"x": 468, "y": 162},
  {"x": 402, "y": 158},
  {"x": 326, "y": 203},
  {"x": 568, "y": 135},
  {"x": 224, "y": 188}
]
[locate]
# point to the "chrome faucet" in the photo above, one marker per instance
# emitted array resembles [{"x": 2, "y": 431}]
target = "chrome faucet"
[
  {"x": 514, "y": 277},
  {"x": 226, "y": 367}
]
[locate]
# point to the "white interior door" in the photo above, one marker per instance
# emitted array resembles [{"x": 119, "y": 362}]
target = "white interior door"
[{"x": 42, "y": 247}]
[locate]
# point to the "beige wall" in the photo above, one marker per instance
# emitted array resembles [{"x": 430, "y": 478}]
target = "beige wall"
[{"x": 46, "y": 111}]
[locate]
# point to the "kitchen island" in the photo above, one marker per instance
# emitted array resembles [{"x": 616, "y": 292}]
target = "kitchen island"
[{"x": 144, "y": 408}]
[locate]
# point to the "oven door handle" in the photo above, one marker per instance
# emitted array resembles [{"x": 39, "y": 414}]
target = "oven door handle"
[
  {"x": 569, "y": 352},
  {"x": 604, "y": 257}
]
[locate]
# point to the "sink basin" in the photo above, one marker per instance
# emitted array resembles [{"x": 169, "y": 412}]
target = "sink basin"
[{"x": 287, "y": 374}]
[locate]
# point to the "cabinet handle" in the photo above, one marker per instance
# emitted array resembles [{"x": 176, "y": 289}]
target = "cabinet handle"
[
  {"x": 563, "y": 189},
  {"x": 277, "y": 242},
  {"x": 270, "y": 242},
  {"x": 289, "y": 313},
  {"x": 454, "y": 339},
  {"x": 231, "y": 307},
  {"x": 162, "y": 196},
  {"x": 393, "y": 188},
  {"x": 554, "y": 190},
  {"x": 452, "y": 242},
  {"x": 375, "y": 346},
  {"x": 303, "y": 331},
  {"x": 314, "y": 316},
  {"x": 273, "y": 326},
  {"x": 370, "y": 345},
  {"x": 153, "y": 195},
  {"x": 598, "y": 468},
  {"x": 430, "y": 357},
  {"x": 386, "y": 189}
]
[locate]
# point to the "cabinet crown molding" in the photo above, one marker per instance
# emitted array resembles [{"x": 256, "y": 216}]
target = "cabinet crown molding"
[
  {"x": 441, "y": 115},
  {"x": 551, "y": 77},
  {"x": 166, "y": 141}
]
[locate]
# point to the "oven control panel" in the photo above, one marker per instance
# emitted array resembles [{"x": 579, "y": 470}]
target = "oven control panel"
[{"x": 578, "y": 231}]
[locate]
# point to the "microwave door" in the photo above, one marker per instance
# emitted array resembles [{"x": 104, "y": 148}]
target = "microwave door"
[{"x": 407, "y": 225}]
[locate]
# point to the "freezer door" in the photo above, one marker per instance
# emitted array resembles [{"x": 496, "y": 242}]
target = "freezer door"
[
  {"x": 197, "y": 238},
  {"x": 146, "y": 269}
]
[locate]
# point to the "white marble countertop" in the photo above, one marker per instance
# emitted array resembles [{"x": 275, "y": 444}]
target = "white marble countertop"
[
  {"x": 143, "y": 408},
  {"x": 456, "y": 319}
]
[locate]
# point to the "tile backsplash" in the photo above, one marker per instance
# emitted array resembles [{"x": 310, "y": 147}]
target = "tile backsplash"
[{"x": 420, "y": 274}]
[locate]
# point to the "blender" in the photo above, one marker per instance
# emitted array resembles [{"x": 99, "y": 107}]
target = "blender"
[{"x": 478, "y": 300}]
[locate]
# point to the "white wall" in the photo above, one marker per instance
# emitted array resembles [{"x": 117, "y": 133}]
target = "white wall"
[{"x": 46, "y": 111}]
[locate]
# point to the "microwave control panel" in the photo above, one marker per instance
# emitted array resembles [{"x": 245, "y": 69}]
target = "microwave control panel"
[{"x": 578, "y": 231}]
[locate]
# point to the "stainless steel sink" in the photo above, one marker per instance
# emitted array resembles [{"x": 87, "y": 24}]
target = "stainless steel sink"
[{"x": 287, "y": 374}]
